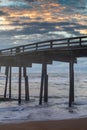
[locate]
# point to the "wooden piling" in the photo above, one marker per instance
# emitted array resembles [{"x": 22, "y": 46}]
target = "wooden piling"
[
  {"x": 26, "y": 84},
  {"x": 45, "y": 84},
  {"x": 41, "y": 87},
  {"x": 46, "y": 89},
  {"x": 71, "y": 89},
  {"x": 6, "y": 83},
  {"x": 10, "y": 72},
  {"x": 27, "y": 88},
  {"x": 19, "y": 94}
]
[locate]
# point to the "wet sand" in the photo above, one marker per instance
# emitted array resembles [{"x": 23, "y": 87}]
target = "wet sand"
[{"x": 72, "y": 124}]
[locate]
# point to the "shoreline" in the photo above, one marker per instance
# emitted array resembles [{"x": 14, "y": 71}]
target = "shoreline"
[{"x": 66, "y": 124}]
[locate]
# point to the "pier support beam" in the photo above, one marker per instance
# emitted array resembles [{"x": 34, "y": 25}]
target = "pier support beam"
[
  {"x": 6, "y": 83},
  {"x": 26, "y": 84},
  {"x": 71, "y": 89},
  {"x": 20, "y": 78},
  {"x": 41, "y": 87},
  {"x": 10, "y": 74},
  {"x": 44, "y": 84}
]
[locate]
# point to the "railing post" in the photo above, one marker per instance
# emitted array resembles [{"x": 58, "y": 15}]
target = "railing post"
[
  {"x": 68, "y": 42},
  {"x": 36, "y": 46},
  {"x": 11, "y": 51},
  {"x": 17, "y": 49},
  {"x": 23, "y": 48},
  {"x": 51, "y": 44},
  {"x": 80, "y": 41}
]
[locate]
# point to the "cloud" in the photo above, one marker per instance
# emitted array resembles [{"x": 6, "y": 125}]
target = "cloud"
[
  {"x": 2, "y": 13},
  {"x": 41, "y": 19},
  {"x": 42, "y": 28}
]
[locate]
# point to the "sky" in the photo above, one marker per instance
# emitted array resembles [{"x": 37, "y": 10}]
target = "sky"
[{"x": 27, "y": 21}]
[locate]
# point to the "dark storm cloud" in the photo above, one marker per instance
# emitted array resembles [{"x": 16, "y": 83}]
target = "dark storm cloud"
[
  {"x": 2, "y": 13},
  {"x": 45, "y": 27},
  {"x": 42, "y": 28}
]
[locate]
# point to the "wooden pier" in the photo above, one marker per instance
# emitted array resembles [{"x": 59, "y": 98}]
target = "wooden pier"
[{"x": 65, "y": 50}]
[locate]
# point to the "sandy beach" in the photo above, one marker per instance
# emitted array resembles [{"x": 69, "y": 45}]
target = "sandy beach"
[{"x": 72, "y": 124}]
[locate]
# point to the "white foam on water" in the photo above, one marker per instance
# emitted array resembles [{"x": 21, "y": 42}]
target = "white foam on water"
[{"x": 34, "y": 112}]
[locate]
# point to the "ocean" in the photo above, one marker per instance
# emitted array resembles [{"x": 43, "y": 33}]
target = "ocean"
[{"x": 58, "y": 92}]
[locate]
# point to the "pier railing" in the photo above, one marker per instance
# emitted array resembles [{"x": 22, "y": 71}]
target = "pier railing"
[{"x": 50, "y": 44}]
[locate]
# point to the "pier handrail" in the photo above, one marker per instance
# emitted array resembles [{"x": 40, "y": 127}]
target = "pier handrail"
[{"x": 49, "y": 44}]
